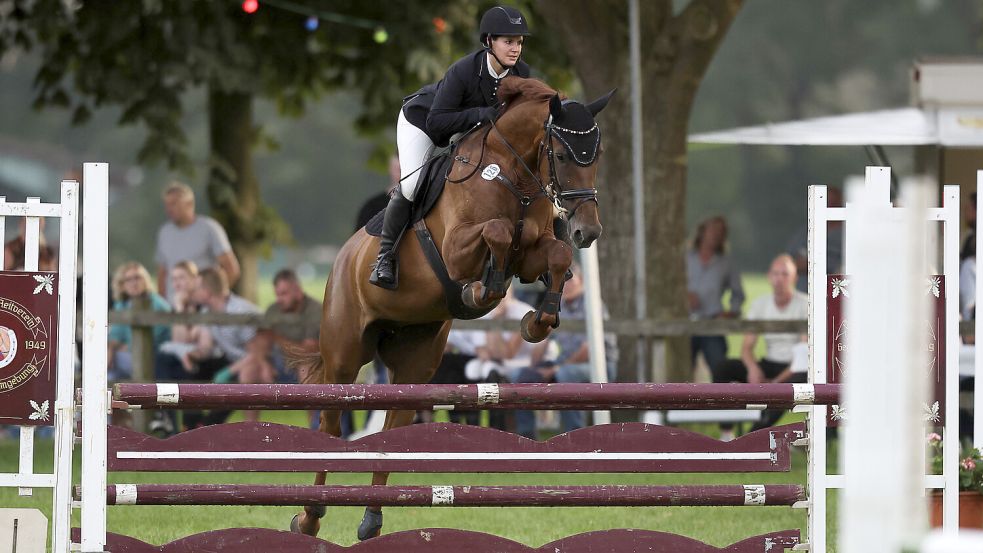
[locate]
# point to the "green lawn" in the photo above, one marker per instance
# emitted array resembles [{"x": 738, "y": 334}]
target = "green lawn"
[{"x": 532, "y": 526}]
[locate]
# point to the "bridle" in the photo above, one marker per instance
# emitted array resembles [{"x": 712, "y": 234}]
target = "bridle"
[{"x": 552, "y": 190}]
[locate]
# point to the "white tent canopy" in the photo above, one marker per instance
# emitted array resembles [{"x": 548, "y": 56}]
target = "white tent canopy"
[{"x": 960, "y": 127}]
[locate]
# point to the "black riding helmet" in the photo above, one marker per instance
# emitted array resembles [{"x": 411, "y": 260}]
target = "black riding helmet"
[{"x": 502, "y": 21}]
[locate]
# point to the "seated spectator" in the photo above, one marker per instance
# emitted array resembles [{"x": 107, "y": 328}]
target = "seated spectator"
[
  {"x": 463, "y": 346},
  {"x": 474, "y": 356},
  {"x": 131, "y": 285},
  {"x": 281, "y": 337},
  {"x": 15, "y": 248},
  {"x": 174, "y": 356},
  {"x": 784, "y": 303},
  {"x": 242, "y": 357},
  {"x": 573, "y": 363},
  {"x": 710, "y": 273}
]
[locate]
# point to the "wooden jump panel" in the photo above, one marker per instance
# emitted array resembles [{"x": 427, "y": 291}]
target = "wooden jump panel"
[
  {"x": 475, "y": 396},
  {"x": 446, "y": 540},
  {"x": 446, "y": 447}
]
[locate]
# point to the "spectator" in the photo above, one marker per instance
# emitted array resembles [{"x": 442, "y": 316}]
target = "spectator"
[
  {"x": 710, "y": 273},
  {"x": 492, "y": 356},
  {"x": 573, "y": 363},
  {"x": 291, "y": 299},
  {"x": 969, "y": 219},
  {"x": 967, "y": 261},
  {"x": 190, "y": 237},
  {"x": 15, "y": 248},
  {"x": 131, "y": 284},
  {"x": 967, "y": 278},
  {"x": 784, "y": 303},
  {"x": 798, "y": 247},
  {"x": 378, "y": 202},
  {"x": 174, "y": 357},
  {"x": 242, "y": 356},
  {"x": 463, "y": 347}
]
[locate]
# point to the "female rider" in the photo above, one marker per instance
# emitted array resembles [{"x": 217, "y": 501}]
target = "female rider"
[{"x": 466, "y": 96}]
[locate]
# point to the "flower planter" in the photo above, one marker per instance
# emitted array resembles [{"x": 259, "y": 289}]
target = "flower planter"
[{"x": 970, "y": 510}]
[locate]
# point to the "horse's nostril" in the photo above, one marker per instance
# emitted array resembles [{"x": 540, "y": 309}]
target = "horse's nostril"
[{"x": 578, "y": 236}]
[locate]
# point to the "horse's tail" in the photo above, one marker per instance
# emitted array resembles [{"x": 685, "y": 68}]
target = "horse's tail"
[{"x": 308, "y": 363}]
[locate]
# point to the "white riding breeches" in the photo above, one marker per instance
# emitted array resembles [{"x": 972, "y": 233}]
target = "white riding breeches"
[{"x": 413, "y": 145}]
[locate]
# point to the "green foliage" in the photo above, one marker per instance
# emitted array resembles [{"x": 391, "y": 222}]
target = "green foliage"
[
  {"x": 970, "y": 464},
  {"x": 145, "y": 56}
]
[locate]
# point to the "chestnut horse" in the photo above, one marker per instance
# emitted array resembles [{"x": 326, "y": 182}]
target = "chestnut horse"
[{"x": 545, "y": 151}]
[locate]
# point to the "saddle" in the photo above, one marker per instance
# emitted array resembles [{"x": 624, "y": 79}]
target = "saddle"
[
  {"x": 432, "y": 182},
  {"x": 432, "y": 178}
]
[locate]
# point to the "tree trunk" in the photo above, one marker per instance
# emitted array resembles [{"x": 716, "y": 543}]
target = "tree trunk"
[
  {"x": 676, "y": 51},
  {"x": 233, "y": 189}
]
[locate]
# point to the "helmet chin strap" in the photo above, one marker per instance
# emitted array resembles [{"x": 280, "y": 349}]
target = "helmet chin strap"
[{"x": 492, "y": 52}]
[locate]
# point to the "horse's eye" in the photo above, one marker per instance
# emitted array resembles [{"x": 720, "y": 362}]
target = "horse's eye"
[{"x": 560, "y": 156}]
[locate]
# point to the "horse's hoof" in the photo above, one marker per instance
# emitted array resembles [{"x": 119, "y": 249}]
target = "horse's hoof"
[
  {"x": 371, "y": 525},
  {"x": 310, "y": 530},
  {"x": 531, "y": 331},
  {"x": 471, "y": 295}
]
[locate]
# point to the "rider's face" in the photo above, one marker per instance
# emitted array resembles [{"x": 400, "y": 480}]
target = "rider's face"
[{"x": 507, "y": 49}]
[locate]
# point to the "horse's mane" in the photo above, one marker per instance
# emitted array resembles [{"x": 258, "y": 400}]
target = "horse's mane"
[{"x": 514, "y": 90}]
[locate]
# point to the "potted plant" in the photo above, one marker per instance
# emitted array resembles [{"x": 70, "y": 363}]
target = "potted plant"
[{"x": 970, "y": 485}]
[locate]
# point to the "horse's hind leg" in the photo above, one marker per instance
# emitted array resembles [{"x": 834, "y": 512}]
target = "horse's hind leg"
[
  {"x": 412, "y": 354},
  {"x": 345, "y": 362},
  {"x": 497, "y": 234}
]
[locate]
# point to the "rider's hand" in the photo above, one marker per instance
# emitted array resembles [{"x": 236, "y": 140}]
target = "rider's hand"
[{"x": 491, "y": 113}]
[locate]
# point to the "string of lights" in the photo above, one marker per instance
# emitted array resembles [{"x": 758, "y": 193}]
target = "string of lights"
[{"x": 314, "y": 17}]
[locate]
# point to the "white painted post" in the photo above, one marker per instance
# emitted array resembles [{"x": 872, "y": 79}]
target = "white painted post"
[
  {"x": 31, "y": 242},
  {"x": 816, "y": 469},
  {"x": 61, "y": 512},
  {"x": 95, "y": 279},
  {"x": 883, "y": 448},
  {"x": 978, "y": 357},
  {"x": 949, "y": 215},
  {"x": 594, "y": 318}
]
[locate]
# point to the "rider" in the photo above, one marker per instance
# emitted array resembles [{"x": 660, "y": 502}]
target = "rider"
[{"x": 466, "y": 96}]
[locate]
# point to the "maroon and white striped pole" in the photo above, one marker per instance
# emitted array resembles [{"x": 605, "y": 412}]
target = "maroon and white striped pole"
[
  {"x": 475, "y": 396},
  {"x": 456, "y": 496}
]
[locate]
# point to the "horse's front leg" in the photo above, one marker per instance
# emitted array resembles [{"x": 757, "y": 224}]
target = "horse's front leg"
[
  {"x": 552, "y": 258},
  {"x": 483, "y": 294}
]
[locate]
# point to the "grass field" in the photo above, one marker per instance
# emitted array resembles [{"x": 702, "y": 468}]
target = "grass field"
[{"x": 532, "y": 526}]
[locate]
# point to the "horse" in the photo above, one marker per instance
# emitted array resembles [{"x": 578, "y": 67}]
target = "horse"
[{"x": 494, "y": 219}]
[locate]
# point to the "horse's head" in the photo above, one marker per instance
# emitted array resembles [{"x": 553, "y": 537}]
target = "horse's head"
[
  {"x": 565, "y": 142},
  {"x": 570, "y": 150}
]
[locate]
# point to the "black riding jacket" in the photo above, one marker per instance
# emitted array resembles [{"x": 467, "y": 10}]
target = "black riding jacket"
[{"x": 455, "y": 103}]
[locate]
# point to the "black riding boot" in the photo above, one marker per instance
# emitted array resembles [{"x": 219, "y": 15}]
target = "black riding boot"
[{"x": 386, "y": 273}]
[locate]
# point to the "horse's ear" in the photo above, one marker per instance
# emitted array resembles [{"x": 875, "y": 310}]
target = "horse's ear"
[
  {"x": 596, "y": 106},
  {"x": 556, "y": 106}
]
